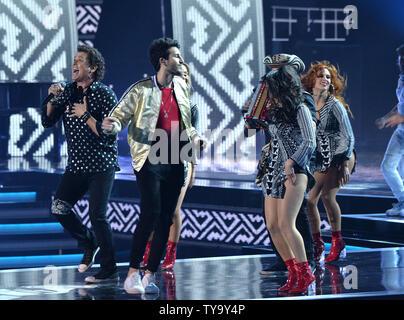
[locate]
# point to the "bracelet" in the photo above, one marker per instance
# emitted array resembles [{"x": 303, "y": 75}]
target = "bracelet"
[{"x": 86, "y": 115}]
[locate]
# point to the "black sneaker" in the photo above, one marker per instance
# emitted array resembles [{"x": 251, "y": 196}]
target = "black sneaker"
[
  {"x": 277, "y": 267},
  {"x": 103, "y": 277},
  {"x": 88, "y": 259}
]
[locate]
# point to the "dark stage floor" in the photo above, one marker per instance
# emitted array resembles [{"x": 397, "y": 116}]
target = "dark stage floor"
[{"x": 371, "y": 273}]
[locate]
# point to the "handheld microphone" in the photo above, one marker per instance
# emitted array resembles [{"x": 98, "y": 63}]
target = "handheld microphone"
[{"x": 51, "y": 96}]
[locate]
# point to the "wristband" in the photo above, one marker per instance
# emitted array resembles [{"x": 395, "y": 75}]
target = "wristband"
[{"x": 86, "y": 115}]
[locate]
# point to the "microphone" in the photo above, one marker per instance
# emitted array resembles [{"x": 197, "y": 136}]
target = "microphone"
[{"x": 51, "y": 96}]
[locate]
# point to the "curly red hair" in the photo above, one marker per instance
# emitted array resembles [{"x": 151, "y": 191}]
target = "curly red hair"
[{"x": 338, "y": 82}]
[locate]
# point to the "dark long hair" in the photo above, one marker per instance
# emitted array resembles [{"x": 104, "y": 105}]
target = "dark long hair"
[{"x": 286, "y": 93}]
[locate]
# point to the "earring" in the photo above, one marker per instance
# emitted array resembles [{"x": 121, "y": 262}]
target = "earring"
[{"x": 331, "y": 89}]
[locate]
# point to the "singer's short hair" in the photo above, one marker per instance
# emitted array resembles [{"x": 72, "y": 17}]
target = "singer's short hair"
[
  {"x": 95, "y": 58},
  {"x": 159, "y": 49}
]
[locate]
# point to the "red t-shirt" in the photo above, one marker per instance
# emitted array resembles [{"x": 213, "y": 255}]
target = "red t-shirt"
[{"x": 169, "y": 116}]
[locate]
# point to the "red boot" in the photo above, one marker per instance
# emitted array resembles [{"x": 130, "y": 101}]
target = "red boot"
[
  {"x": 304, "y": 278},
  {"x": 337, "y": 247},
  {"x": 336, "y": 278},
  {"x": 146, "y": 255},
  {"x": 169, "y": 260},
  {"x": 319, "y": 247},
  {"x": 292, "y": 277},
  {"x": 169, "y": 277}
]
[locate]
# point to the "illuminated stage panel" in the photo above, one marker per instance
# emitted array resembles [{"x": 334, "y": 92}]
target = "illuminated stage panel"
[
  {"x": 223, "y": 41},
  {"x": 39, "y": 39}
]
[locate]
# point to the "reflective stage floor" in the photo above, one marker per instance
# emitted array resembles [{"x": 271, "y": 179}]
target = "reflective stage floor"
[
  {"x": 363, "y": 274},
  {"x": 199, "y": 274}
]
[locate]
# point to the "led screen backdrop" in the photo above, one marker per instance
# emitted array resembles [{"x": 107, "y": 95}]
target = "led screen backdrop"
[
  {"x": 38, "y": 39},
  {"x": 223, "y": 41}
]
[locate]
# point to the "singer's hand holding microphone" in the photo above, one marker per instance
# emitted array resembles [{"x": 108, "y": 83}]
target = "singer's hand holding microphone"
[{"x": 55, "y": 91}]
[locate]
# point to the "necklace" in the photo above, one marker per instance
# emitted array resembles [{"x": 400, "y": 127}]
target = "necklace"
[{"x": 163, "y": 104}]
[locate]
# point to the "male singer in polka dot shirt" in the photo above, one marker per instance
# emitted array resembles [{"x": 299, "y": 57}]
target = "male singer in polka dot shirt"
[{"x": 92, "y": 158}]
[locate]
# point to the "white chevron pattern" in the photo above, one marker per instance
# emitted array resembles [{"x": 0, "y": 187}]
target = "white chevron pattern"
[
  {"x": 37, "y": 36},
  {"x": 202, "y": 225},
  {"x": 88, "y": 18},
  {"x": 223, "y": 42}
]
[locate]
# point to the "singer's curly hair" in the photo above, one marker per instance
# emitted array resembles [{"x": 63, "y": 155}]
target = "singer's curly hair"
[
  {"x": 159, "y": 49},
  {"x": 338, "y": 82},
  {"x": 95, "y": 58}
]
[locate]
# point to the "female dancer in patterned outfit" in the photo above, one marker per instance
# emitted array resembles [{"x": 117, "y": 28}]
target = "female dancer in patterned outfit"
[
  {"x": 335, "y": 157},
  {"x": 287, "y": 174}
]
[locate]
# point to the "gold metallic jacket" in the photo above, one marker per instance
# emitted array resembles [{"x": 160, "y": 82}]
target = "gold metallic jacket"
[{"x": 140, "y": 107}]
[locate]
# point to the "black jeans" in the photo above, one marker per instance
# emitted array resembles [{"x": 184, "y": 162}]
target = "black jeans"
[
  {"x": 303, "y": 226},
  {"x": 159, "y": 186},
  {"x": 72, "y": 188}
]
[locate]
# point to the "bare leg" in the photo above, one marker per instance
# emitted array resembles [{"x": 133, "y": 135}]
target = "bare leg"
[
  {"x": 287, "y": 213},
  {"x": 312, "y": 204},
  {"x": 271, "y": 216},
  {"x": 329, "y": 196},
  {"x": 175, "y": 229}
]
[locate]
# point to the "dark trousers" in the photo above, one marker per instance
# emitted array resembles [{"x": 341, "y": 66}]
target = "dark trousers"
[
  {"x": 303, "y": 226},
  {"x": 72, "y": 188},
  {"x": 159, "y": 186}
]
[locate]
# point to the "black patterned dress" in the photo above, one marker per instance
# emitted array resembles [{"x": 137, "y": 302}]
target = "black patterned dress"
[
  {"x": 335, "y": 138},
  {"x": 294, "y": 140}
]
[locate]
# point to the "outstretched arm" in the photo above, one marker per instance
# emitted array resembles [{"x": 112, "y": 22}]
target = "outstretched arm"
[
  {"x": 122, "y": 113},
  {"x": 383, "y": 121},
  {"x": 394, "y": 120}
]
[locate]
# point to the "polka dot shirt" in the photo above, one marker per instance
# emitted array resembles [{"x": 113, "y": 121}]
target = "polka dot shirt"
[{"x": 87, "y": 152}]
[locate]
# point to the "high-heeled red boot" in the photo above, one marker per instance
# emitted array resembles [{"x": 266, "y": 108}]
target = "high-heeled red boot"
[
  {"x": 337, "y": 247},
  {"x": 319, "y": 247},
  {"x": 169, "y": 260},
  {"x": 304, "y": 278},
  {"x": 146, "y": 255},
  {"x": 292, "y": 277}
]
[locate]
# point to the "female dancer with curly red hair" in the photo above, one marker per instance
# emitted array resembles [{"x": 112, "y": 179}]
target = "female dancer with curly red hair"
[{"x": 335, "y": 156}]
